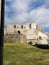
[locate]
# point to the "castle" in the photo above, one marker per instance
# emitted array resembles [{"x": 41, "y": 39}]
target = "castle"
[{"x": 31, "y": 31}]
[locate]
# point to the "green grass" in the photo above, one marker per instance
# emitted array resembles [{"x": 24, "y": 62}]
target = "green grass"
[{"x": 24, "y": 54}]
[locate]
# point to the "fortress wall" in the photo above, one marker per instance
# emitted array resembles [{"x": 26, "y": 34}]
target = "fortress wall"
[
  {"x": 10, "y": 38},
  {"x": 43, "y": 35},
  {"x": 33, "y": 26},
  {"x": 33, "y": 41},
  {"x": 11, "y": 29},
  {"x": 23, "y": 38},
  {"x": 13, "y": 38},
  {"x": 28, "y": 32}
]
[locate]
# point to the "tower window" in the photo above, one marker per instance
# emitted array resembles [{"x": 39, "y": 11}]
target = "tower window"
[
  {"x": 17, "y": 27},
  {"x": 40, "y": 37},
  {"x": 14, "y": 26},
  {"x": 22, "y": 26},
  {"x": 30, "y": 26}
]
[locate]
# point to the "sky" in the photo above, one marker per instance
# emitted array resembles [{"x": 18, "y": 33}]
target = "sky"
[{"x": 23, "y": 11}]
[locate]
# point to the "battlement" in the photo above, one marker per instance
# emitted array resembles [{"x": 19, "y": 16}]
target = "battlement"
[{"x": 12, "y": 28}]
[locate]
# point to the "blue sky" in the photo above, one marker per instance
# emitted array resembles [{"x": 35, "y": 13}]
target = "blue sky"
[{"x": 23, "y": 11}]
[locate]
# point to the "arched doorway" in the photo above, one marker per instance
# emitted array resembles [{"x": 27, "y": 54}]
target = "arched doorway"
[
  {"x": 18, "y": 32},
  {"x": 30, "y": 43}
]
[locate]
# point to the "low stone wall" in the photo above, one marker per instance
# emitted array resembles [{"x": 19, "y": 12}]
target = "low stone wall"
[{"x": 11, "y": 38}]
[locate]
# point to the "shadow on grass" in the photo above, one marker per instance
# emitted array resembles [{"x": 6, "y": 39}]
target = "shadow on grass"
[{"x": 42, "y": 46}]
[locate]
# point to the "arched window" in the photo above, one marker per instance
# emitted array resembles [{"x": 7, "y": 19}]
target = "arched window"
[
  {"x": 22, "y": 26},
  {"x": 17, "y": 27},
  {"x": 30, "y": 26},
  {"x": 40, "y": 37},
  {"x": 14, "y": 26}
]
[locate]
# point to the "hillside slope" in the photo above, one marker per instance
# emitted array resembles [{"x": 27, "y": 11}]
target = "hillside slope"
[{"x": 24, "y": 54}]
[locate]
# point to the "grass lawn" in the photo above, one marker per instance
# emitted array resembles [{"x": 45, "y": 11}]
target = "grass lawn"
[{"x": 24, "y": 54}]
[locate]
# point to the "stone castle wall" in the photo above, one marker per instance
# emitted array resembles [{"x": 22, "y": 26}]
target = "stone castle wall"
[
  {"x": 11, "y": 28},
  {"x": 12, "y": 38},
  {"x": 29, "y": 32}
]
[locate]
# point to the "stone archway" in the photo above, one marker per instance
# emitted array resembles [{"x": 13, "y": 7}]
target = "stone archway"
[
  {"x": 18, "y": 32},
  {"x": 30, "y": 43}
]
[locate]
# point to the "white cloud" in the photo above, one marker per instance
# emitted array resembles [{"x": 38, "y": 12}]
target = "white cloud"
[
  {"x": 47, "y": 3},
  {"x": 21, "y": 5},
  {"x": 40, "y": 15}
]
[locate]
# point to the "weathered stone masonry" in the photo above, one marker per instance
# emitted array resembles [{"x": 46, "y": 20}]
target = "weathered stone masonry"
[{"x": 29, "y": 32}]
